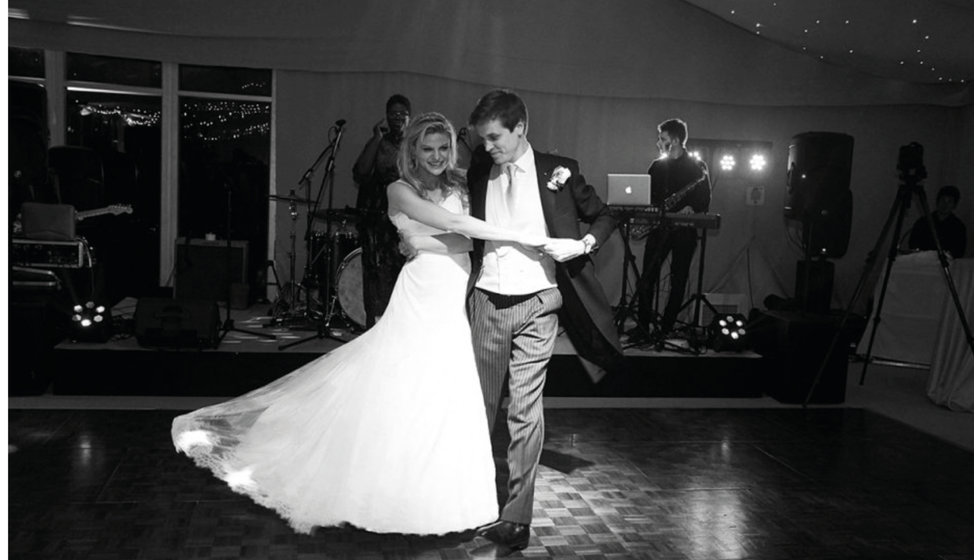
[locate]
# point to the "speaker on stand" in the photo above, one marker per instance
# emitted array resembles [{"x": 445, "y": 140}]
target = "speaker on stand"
[{"x": 818, "y": 197}]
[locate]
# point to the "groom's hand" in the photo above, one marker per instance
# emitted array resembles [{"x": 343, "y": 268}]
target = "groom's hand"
[
  {"x": 406, "y": 248},
  {"x": 564, "y": 249}
]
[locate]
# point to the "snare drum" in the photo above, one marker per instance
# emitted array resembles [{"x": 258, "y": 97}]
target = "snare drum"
[{"x": 350, "y": 288}]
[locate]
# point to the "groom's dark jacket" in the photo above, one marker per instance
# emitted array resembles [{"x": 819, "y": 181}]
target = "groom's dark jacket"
[{"x": 586, "y": 314}]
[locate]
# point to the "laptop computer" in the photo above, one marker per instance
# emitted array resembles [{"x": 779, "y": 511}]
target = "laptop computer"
[{"x": 626, "y": 189}]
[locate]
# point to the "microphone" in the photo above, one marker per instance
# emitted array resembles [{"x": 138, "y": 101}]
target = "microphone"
[{"x": 341, "y": 122}]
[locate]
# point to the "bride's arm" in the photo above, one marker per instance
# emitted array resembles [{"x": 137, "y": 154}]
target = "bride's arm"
[
  {"x": 402, "y": 198},
  {"x": 443, "y": 243}
]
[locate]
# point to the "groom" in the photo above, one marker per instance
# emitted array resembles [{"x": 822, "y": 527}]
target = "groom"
[{"x": 518, "y": 294}]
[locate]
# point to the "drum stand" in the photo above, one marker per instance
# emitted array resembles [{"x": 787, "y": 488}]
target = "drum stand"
[{"x": 323, "y": 324}]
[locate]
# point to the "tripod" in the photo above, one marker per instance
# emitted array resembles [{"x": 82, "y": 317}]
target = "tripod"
[
  {"x": 910, "y": 164},
  {"x": 229, "y": 323},
  {"x": 326, "y": 183}
]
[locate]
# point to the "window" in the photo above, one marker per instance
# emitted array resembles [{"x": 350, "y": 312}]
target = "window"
[{"x": 113, "y": 70}]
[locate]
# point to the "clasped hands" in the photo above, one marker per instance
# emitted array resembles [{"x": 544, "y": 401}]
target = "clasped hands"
[{"x": 559, "y": 249}]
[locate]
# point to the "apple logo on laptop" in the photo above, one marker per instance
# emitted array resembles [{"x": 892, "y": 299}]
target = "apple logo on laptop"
[{"x": 629, "y": 189}]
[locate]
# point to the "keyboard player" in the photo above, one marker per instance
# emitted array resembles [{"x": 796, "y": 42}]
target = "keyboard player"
[{"x": 679, "y": 184}]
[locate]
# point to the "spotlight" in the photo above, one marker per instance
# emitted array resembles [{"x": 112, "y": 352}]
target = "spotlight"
[
  {"x": 729, "y": 332},
  {"x": 727, "y": 162},
  {"x": 90, "y": 322},
  {"x": 757, "y": 162}
]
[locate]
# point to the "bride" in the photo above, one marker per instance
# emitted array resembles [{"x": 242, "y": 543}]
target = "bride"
[{"x": 388, "y": 432}]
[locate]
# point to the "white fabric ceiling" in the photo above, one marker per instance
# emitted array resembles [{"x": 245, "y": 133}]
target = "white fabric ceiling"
[{"x": 695, "y": 50}]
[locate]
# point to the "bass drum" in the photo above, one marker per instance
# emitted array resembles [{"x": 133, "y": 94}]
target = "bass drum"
[{"x": 350, "y": 288}]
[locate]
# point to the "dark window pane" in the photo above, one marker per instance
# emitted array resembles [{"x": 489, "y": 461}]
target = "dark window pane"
[
  {"x": 120, "y": 134},
  {"x": 241, "y": 81},
  {"x": 224, "y": 176},
  {"x": 112, "y": 70},
  {"x": 27, "y": 147},
  {"x": 28, "y": 63}
]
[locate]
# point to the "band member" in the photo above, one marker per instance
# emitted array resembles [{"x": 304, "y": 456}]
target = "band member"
[
  {"x": 375, "y": 169},
  {"x": 679, "y": 183}
]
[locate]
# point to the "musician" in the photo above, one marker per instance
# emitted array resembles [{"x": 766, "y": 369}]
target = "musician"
[
  {"x": 375, "y": 169},
  {"x": 679, "y": 183}
]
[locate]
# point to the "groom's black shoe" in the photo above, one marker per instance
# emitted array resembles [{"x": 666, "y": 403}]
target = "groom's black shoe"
[{"x": 514, "y": 536}]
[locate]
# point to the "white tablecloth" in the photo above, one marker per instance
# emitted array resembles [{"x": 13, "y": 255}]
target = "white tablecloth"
[
  {"x": 911, "y": 311},
  {"x": 951, "y": 371}
]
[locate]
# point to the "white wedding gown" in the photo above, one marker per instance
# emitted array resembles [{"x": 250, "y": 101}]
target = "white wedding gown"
[{"x": 387, "y": 433}]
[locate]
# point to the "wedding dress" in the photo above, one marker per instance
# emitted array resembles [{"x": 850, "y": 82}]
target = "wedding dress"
[{"x": 387, "y": 433}]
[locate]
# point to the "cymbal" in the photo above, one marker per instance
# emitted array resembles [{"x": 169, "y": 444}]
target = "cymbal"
[
  {"x": 291, "y": 199},
  {"x": 337, "y": 215}
]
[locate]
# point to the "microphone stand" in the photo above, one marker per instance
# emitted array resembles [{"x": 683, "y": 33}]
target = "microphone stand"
[
  {"x": 229, "y": 323},
  {"x": 323, "y": 325}
]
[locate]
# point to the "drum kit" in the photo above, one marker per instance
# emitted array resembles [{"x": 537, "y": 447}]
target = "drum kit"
[{"x": 330, "y": 294}]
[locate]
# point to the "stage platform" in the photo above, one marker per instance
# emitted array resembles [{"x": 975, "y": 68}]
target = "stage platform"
[{"x": 243, "y": 361}]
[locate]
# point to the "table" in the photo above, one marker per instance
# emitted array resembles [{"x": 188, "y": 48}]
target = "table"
[
  {"x": 951, "y": 371},
  {"x": 911, "y": 311}
]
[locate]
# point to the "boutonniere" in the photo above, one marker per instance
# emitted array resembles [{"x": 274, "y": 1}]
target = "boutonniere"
[{"x": 558, "y": 177}]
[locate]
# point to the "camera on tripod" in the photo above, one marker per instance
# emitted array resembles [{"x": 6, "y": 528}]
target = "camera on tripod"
[{"x": 910, "y": 162}]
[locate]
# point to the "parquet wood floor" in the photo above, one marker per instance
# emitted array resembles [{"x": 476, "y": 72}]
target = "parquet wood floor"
[{"x": 680, "y": 484}]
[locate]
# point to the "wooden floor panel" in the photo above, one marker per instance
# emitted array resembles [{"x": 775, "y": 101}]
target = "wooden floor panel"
[{"x": 689, "y": 484}]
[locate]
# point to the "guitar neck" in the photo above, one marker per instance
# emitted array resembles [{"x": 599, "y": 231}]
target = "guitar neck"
[
  {"x": 116, "y": 210},
  {"x": 672, "y": 200}
]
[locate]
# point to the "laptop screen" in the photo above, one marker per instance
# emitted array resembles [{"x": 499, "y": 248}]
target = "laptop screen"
[{"x": 626, "y": 189}]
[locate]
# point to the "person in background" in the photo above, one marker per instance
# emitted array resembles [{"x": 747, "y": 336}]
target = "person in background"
[
  {"x": 949, "y": 228},
  {"x": 678, "y": 183},
  {"x": 375, "y": 169}
]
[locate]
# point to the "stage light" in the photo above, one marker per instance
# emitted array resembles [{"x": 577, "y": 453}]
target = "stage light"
[
  {"x": 757, "y": 162},
  {"x": 727, "y": 162},
  {"x": 729, "y": 332},
  {"x": 697, "y": 155},
  {"x": 90, "y": 322}
]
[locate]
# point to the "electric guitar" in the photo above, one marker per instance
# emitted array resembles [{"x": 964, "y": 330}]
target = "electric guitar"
[{"x": 114, "y": 209}]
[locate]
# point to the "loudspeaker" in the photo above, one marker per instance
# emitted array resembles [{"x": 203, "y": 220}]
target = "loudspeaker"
[
  {"x": 814, "y": 285},
  {"x": 794, "y": 346},
  {"x": 161, "y": 322},
  {"x": 818, "y": 182},
  {"x": 202, "y": 270}
]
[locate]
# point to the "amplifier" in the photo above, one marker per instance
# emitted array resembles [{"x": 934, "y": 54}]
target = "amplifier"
[
  {"x": 50, "y": 254},
  {"x": 209, "y": 270}
]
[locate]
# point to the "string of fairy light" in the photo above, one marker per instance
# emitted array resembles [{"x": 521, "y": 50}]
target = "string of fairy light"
[{"x": 208, "y": 120}]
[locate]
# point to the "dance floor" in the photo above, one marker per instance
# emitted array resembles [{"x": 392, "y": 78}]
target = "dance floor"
[{"x": 777, "y": 483}]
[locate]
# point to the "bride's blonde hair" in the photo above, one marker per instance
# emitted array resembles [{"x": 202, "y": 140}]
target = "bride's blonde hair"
[{"x": 408, "y": 166}]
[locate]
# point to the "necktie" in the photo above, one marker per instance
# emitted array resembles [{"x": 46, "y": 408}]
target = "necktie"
[{"x": 510, "y": 192}]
